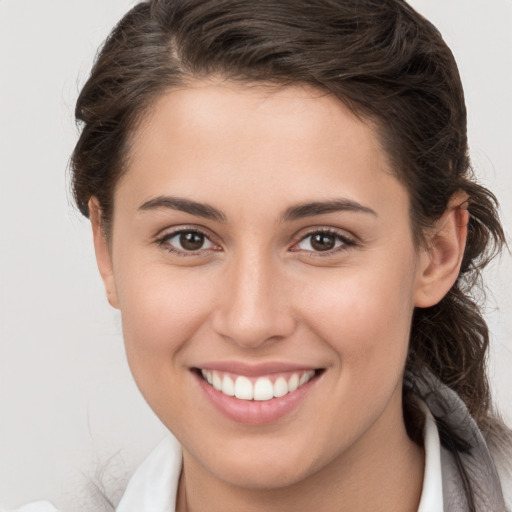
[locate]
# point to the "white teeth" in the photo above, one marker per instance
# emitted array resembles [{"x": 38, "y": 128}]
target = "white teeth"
[
  {"x": 228, "y": 386},
  {"x": 217, "y": 383},
  {"x": 207, "y": 376},
  {"x": 305, "y": 377},
  {"x": 262, "y": 389},
  {"x": 280, "y": 387},
  {"x": 243, "y": 388},
  {"x": 293, "y": 383}
]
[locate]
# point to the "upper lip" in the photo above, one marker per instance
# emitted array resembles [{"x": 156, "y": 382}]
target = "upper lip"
[{"x": 255, "y": 369}]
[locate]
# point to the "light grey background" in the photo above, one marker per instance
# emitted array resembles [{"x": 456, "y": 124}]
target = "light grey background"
[{"x": 67, "y": 401}]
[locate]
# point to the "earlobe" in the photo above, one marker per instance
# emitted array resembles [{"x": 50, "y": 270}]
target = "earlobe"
[
  {"x": 441, "y": 259},
  {"x": 103, "y": 254}
]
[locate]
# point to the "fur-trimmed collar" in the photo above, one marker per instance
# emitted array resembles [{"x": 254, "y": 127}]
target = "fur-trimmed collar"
[{"x": 469, "y": 459}]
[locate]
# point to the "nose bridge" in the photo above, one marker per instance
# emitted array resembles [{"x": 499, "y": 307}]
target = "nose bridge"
[{"x": 254, "y": 308}]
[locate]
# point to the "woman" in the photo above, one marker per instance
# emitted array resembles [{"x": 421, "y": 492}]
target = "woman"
[{"x": 284, "y": 214}]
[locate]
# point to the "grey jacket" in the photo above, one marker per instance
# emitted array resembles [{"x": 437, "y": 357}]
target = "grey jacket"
[{"x": 484, "y": 464}]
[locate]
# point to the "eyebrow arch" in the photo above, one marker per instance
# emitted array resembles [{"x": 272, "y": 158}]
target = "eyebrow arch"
[
  {"x": 184, "y": 205},
  {"x": 322, "y": 207}
]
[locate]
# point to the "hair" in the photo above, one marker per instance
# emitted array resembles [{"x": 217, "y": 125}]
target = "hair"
[{"x": 382, "y": 59}]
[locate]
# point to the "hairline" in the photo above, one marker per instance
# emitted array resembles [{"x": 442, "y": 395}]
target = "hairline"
[{"x": 187, "y": 80}]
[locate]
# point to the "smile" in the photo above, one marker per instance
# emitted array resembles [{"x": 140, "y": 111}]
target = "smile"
[
  {"x": 260, "y": 389},
  {"x": 257, "y": 394}
]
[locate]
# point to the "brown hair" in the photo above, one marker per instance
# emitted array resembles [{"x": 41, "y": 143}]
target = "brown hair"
[{"x": 379, "y": 57}]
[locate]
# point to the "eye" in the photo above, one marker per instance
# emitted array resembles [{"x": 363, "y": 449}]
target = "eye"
[
  {"x": 187, "y": 241},
  {"x": 323, "y": 241}
]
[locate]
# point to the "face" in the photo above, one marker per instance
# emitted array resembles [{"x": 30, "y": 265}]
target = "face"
[{"x": 262, "y": 248}]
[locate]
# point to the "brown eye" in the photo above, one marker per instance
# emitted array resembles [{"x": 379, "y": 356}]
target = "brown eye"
[
  {"x": 323, "y": 242},
  {"x": 191, "y": 241},
  {"x": 187, "y": 242}
]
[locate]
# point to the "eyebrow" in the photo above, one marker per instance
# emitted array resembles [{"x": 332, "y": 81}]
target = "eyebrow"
[
  {"x": 297, "y": 212},
  {"x": 322, "y": 207},
  {"x": 184, "y": 205}
]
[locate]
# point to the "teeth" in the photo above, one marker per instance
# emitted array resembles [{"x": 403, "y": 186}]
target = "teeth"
[
  {"x": 293, "y": 383},
  {"x": 304, "y": 378},
  {"x": 243, "y": 388},
  {"x": 262, "y": 389},
  {"x": 228, "y": 386},
  {"x": 217, "y": 383},
  {"x": 280, "y": 387}
]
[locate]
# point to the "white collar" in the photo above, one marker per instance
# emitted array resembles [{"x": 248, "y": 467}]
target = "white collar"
[
  {"x": 432, "y": 492},
  {"x": 154, "y": 485}
]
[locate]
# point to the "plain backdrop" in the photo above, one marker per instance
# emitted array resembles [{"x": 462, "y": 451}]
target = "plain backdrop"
[{"x": 68, "y": 406}]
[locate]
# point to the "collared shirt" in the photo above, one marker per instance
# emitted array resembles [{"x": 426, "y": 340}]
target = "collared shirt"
[{"x": 154, "y": 486}]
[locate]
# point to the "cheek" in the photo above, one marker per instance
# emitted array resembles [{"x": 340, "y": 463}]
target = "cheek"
[
  {"x": 365, "y": 320},
  {"x": 365, "y": 316},
  {"x": 161, "y": 310}
]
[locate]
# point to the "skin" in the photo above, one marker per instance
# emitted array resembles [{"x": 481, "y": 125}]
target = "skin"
[{"x": 259, "y": 292}]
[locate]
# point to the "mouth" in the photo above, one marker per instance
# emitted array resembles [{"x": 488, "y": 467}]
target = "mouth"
[
  {"x": 262, "y": 388},
  {"x": 256, "y": 395}
]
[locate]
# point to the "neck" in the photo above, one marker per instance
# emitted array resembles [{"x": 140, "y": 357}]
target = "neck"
[{"x": 383, "y": 471}]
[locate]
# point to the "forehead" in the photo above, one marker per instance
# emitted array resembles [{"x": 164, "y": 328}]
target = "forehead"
[
  {"x": 229, "y": 138},
  {"x": 220, "y": 109}
]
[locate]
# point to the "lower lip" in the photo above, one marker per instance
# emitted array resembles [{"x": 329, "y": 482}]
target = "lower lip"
[{"x": 255, "y": 412}]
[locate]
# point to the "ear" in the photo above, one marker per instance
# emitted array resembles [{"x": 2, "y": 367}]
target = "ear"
[
  {"x": 103, "y": 254},
  {"x": 441, "y": 258}
]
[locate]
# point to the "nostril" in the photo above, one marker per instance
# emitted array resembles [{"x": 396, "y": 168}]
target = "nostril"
[{"x": 251, "y": 329}]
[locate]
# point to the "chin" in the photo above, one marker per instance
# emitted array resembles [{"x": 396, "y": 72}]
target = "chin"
[
  {"x": 260, "y": 467},
  {"x": 266, "y": 475}
]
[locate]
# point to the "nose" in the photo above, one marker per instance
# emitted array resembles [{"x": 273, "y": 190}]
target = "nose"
[{"x": 254, "y": 306}]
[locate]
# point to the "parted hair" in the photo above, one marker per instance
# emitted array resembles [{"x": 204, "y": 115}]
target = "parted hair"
[{"x": 382, "y": 59}]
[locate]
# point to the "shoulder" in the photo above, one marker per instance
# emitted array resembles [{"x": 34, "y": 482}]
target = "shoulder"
[
  {"x": 153, "y": 486},
  {"x": 476, "y": 462},
  {"x": 499, "y": 441}
]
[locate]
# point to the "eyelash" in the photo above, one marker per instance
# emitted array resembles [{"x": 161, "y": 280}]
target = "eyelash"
[
  {"x": 345, "y": 242},
  {"x": 164, "y": 239}
]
